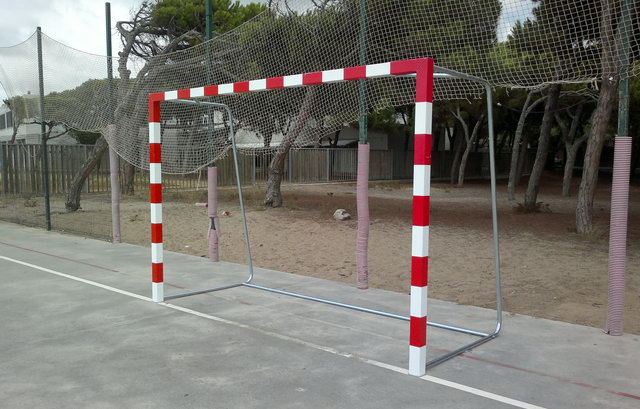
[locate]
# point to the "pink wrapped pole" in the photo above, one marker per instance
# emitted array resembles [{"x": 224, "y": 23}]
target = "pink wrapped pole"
[
  {"x": 618, "y": 234},
  {"x": 212, "y": 206},
  {"x": 362, "y": 199},
  {"x": 115, "y": 190}
]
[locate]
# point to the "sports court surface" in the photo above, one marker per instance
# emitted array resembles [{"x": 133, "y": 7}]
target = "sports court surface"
[{"x": 78, "y": 330}]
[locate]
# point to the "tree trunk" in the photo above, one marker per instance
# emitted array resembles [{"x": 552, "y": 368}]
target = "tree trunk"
[
  {"x": 524, "y": 151},
  {"x": 273, "y": 197},
  {"x": 516, "y": 160},
  {"x": 601, "y": 116},
  {"x": 455, "y": 164},
  {"x": 463, "y": 164},
  {"x": 531, "y": 195},
  {"x": 587, "y": 191},
  {"x": 72, "y": 202},
  {"x": 467, "y": 151},
  {"x": 571, "y": 147},
  {"x": 464, "y": 143},
  {"x": 128, "y": 187},
  {"x": 569, "y": 164}
]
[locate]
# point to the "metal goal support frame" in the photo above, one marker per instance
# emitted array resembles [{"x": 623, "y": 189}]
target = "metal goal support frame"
[{"x": 424, "y": 71}]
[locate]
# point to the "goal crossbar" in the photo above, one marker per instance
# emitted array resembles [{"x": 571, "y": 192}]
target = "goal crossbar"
[{"x": 424, "y": 71}]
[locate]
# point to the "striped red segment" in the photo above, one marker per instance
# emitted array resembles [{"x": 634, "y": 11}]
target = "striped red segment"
[
  {"x": 156, "y": 232},
  {"x": 312, "y": 78},
  {"x": 155, "y": 193},
  {"x": 155, "y": 153},
  {"x": 154, "y": 111},
  {"x": 275, "y": 82},
  {"x": 424, "y": 81},
  {"x": 421, "y": 210},
  {"x": 405, "y": 67},
  {"x": 422, "y": 150},
  {"x": 156, "y": 97},
  {"x": 211, "y": 91},
  {"x": 423, "y": 68},
  {"x": 355, "y": 73},
  {"x": 157, "y": 272},
  {"x": 241, "y": 86},
  {"x": 418, "y": 329},
  {"x": 184, "y": 93},
  {"x": 419, "y": 271}
]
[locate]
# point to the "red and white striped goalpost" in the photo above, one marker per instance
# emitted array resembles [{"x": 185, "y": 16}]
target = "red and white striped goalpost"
[{"x": 423, "y": 69}]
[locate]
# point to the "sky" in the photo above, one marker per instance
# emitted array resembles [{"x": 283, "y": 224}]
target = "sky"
[
  {"x": 80, "y": 23},
  {"x": 77, "y": 23}
]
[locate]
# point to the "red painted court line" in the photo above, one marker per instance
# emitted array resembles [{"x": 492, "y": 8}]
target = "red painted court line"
[
  {"x": 60, "y": 257},
  {"x": 542, "y": 374},
  {"x": 76, "y": 261},
  {"x": 557, "y": 378}
]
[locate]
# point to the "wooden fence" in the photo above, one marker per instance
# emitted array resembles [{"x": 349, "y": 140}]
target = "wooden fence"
[
  {"x": 477, "y": 165},
  {"x": 21, "y": 168}
]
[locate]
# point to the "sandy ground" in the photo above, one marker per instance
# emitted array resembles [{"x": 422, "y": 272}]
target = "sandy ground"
[{"x": 548, "y": 270}]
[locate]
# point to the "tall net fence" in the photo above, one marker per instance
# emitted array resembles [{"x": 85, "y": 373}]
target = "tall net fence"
[{"x": 511, "y": 43}]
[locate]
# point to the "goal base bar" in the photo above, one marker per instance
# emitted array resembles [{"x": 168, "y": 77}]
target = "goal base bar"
[{"x": 484, "y": 337}]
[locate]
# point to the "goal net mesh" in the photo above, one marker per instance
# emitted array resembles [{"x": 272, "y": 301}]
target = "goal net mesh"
[{"x": 510, "y": 43}]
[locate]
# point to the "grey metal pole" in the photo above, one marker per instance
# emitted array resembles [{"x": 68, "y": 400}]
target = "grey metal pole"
[
  {"x": 494, "y": 209},
  {"x": 111, "y": 130},
  {"x": 212, "y": 170},
  {"x": 43, "y": 135}
]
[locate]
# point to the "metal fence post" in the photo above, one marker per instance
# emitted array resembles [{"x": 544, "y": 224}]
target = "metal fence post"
[
  {"x": 3, "y": 173},
  {"x": 43, "y": 135},
  {"x": 328, "y": 164},
  {"x": 290, "y": 165},
  {"x": 113, "y": 156},
  {"x": 253, "y": 170}
]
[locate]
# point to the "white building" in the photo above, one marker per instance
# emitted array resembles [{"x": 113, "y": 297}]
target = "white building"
[{"x": 29, "y": 131}]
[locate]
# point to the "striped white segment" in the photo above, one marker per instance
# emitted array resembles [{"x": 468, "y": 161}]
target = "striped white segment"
[
  {"x": 155, "y": 173},
  {"x": 156, "y": 252},
  {"x": 420, "y": 241},
  {"x": 418, "y": 301},
  {"x": 333, "y": 75},
  {"x": 417, "y": 360},
  {"x": 424, "y": 111},
  {"x": 292, "y": 80},
  {"x": 169, "y": 95},
  {"x": 421, "y": 180},
  {"x": 157, "y": 292},
  {"x": 225, "y": 89},
  {"x": 156, "y": 213},
  {"x": 257, "y": 85},
  {"x": 197, "y": 92},
  {"x": 378, "y": 70},
  {"x": 428, "y": 378},
  {"x": 154, "y": 132}
]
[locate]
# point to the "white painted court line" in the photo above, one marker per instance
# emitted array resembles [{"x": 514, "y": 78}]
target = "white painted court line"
[
  {"x": 428, "y": 378},
  {"x": 82, "y": 280}
]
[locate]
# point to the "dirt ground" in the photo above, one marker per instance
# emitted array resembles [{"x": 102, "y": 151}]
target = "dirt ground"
[{"x": 548, "y": 270}]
